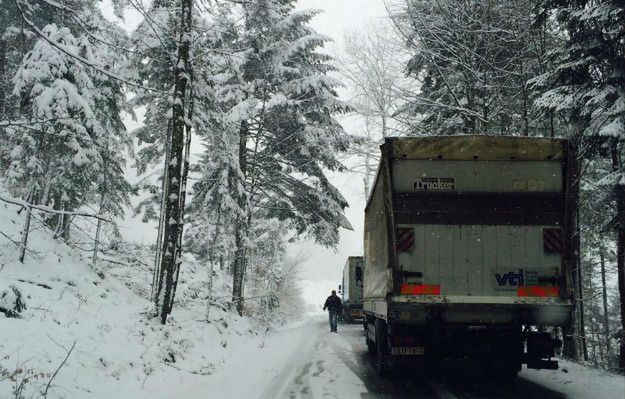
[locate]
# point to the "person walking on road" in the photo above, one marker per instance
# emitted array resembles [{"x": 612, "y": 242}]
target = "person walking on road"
[{"x": 333, "y": 304}]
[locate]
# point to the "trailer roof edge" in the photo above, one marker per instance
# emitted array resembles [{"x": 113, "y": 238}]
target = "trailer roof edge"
[{"x": 477, "y": 147}]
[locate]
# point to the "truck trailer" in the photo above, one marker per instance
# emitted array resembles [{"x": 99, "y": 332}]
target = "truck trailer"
[
  {"x": 469, "y": 241},
  {"x": 351, "y": 289}
]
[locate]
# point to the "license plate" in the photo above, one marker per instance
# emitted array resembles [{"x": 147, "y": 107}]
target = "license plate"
[{"x": 408, "y": 350}]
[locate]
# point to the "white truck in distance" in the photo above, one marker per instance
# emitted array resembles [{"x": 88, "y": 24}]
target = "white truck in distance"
[
  {"x": 350, "y": 289},
  {"x": 469, "y": 241}
]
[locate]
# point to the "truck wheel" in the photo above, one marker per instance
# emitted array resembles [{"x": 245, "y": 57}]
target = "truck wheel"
[
  {"x": 507, "y": 375},
  {"x": 381, "y": 359}
]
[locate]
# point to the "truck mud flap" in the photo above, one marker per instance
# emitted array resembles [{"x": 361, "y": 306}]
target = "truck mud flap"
[{"x": 540, "y": 364}]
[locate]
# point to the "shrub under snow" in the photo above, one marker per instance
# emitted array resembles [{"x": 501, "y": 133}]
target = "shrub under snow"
[{"x": 11, "y": 301}]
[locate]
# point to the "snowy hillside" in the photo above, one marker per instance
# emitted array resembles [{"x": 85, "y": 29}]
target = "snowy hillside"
[{"x": 85, "y": 333}]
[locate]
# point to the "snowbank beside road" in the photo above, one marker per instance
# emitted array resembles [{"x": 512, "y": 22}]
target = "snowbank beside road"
[
  {"x": 97, "y": 320},
  {"x": 578, "y": 381}
]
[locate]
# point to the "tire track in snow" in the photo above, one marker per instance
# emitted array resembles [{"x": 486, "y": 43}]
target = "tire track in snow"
[
  {"x": 324, "y": 365},
  {"x": 306, "y": 345}
]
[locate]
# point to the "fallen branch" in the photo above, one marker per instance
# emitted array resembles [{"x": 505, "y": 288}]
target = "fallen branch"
[
  {"x": 45, "y": 393},
  {"x": 47, "y": 209},
  {"x": 19, "y": 245},
  {"x": 34, "y": 283}
]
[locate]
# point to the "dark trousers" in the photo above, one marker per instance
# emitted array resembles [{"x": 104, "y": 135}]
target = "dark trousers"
[{"x": 334, "y": 315}]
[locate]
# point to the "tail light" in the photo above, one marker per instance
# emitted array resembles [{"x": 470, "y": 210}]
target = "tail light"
[
  {"x": 419, "y": 289},
  {"x": 538, "y": 291}
]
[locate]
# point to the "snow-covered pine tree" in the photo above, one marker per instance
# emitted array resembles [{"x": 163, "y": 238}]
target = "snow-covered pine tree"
[
  {"x": 16, "y": 40},
  {"x": 598, "y": 259},
  {"x": 213, "y": 209},
  {"x": 587, "y": 88},
  {"x": 9, "y": 32},
  {"x": 64, "y": 161},
  {"x": 162, "y": 58},
  {"x": 287, "y": 132},
  {"x": 473, "y": 60},
  {"x": 153, "y": 46}
]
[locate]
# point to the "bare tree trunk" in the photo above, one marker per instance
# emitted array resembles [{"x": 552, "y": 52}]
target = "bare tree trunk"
[
  {"x": 211, "y": 261},
  {"x": 55, "y": 220},
  {"x": 384, "y": 126},
  {"x": 592, "y": 342},
  {"x": 367, "y": 174},
  {"x": 582, "y": 304},
  {"x": 174, "y": 212},
  {"x": 238, "y": 269},
  {"x": 25, "y": 232},
  {"x": 66, "y": 222},
  {"x": 161, "y": 220},
  {"x": 96, "y": 244},
  {"x": 526, "y": 125},
  {"x": 240, "y": 254},
  {"x": 368, "y": 154},
  {"x": 619, "y": 191},
  {"x": 606, "y": 320},
  {"x": 570, "y": 332},
  {"x": 3, "y": 52},
  {"x": 209, "y": 296},
  {"x": 185, "y": 176}
]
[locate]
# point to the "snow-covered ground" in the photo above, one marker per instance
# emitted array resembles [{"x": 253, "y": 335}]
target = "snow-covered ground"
[
  {"x": 100, "y": 317},
  {"x": 85, "y": 334},
  {"x": 577, "y": 381}
]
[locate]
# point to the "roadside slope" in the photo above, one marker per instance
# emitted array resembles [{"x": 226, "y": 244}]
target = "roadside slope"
[{"x": 101, "y": 317}]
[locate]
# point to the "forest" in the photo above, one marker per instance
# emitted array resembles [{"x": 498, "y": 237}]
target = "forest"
[{"x": 240, "y": 111}]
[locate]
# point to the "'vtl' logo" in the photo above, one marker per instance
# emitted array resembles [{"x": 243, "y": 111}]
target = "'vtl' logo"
[{"x": 511, "y": 278}]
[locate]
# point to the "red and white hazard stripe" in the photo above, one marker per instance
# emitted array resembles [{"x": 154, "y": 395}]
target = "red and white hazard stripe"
[{"x": 404, "y": 239}]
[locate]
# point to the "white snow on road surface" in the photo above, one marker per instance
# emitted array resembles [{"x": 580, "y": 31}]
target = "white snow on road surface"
[
  {"x": 316, "y": 366},
  {"x": 577, "y": 381}
]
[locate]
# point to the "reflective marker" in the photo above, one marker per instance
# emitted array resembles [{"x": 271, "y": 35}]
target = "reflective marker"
[
  {"x": 420, "y": 289},
  {"x": 538, "y": 290}
]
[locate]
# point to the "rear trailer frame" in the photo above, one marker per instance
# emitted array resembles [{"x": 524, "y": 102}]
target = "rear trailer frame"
[
  {"x": 449, "y": 322},
  {"x": 500, "y": 347}
]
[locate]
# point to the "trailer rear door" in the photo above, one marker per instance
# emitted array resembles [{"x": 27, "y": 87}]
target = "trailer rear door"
[{"x": 478, "y": 227}]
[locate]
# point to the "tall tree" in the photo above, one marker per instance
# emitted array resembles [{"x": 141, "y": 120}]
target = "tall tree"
[
  {"x": 162, "y": 61},
  {"x": 279, "y": 109},
  {"x": 78, "y": 138},
  {"x": 167, "y": 33},
  {"x": 372, "y": 63},
  {"x": 588, "y": 89},
  {"x": 472, "y": 60}
]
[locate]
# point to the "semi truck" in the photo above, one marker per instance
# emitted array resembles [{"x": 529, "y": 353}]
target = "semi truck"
[
  {"x": 351, "y": 289},
  {"x": 468, "y": 246}
]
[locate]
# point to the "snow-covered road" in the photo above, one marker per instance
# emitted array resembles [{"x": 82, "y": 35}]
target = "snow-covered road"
[{"x": 325, "y": 365}]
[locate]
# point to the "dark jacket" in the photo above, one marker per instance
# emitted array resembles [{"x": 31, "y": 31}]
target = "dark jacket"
[{"x": 333, "y": 303}]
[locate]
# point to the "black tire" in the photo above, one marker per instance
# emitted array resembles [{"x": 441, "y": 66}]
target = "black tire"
[
  {"x": 506, "y": 374},
  {"x": 381, "y": 359},
  {"x": 371, "y": 349}
]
